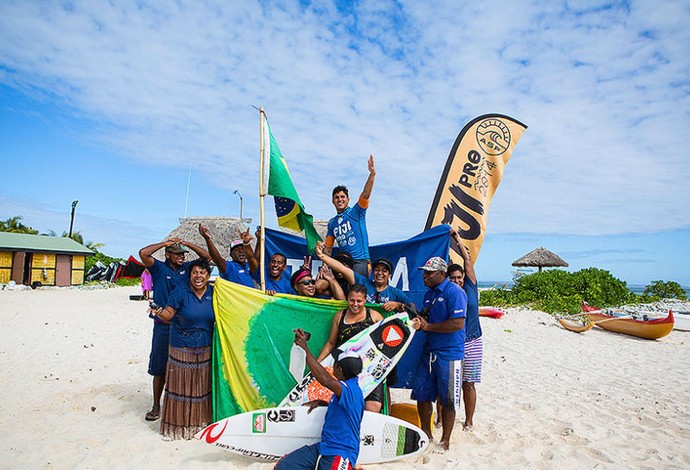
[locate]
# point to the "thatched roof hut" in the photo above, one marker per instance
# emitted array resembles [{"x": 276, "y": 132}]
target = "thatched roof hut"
[
  {"x": 223, "y": 231},
  {"x": 541, "y": 258}
]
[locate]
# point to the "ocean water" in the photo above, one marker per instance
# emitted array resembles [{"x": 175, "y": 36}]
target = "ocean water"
[{"x": 634, "y": 288}]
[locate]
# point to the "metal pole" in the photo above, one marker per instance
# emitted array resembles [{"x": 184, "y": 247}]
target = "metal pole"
[
  {"x": 71, "y": 220},
  {"x": 241, "y": 203}
]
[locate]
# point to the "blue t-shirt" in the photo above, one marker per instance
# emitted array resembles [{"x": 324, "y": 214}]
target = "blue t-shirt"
[
  {"x": 473, "y": 329},
  {"x": 192, "y": 325},
  {"x": 446, "y": 301},
  {"x": 389, "y": 294},
  {"x": 237, "y": 273},
  {"x": 340, "y": 434},
  {"x": 349, "y": 228},
  {"x": 281, "y": 285},
  {"x": 165, "y": 279}
]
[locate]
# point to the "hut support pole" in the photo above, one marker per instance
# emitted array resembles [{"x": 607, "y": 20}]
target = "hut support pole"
[{"x": 262, "y": 196}]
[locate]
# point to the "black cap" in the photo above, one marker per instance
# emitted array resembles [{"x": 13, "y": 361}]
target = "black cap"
[
  {"x": 176, "y": 248},
  {"x": 384, "y": 261},
  {"x": 350, "y": 363}
]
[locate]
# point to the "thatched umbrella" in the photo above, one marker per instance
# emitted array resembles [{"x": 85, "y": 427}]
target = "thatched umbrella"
[{"x": 541, "y": 258}]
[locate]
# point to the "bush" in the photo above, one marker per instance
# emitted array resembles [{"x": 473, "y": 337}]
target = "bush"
[
  {"x": 558, "y": 291},
  {"x": 665, "y": 290},
  {"x": 92, "y": 260}
]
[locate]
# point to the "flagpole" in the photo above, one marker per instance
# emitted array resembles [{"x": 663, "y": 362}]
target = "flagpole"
[{"x": 262, "y": 196}]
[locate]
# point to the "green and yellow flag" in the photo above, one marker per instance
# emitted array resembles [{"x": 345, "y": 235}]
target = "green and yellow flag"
[
  {"x": 252, "y": 342},
  {"x": 289, "y": 208}
]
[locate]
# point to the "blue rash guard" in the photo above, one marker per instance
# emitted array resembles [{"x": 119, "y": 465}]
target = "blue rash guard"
[
  {"x": 473, "y": 328},
  {"x": 389, "y": 294},
  {"x": 237, "y": 273},
  {"x": 192, "y": 325},
  {"x": 340, "y": 434},
  {"x": 349, "y": 229},
  {"x": 444, "y": 302}
]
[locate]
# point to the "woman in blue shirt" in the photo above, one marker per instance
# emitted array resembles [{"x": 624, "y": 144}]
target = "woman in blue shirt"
[{"x": 187, "y": 402}]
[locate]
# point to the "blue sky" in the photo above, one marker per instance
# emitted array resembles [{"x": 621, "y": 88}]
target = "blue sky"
[{"x": 113, "y": 103}]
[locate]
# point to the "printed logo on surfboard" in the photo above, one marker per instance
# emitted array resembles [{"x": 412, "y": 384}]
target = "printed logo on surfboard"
[
  {"x": 207, "y": 434},
  {"x": 281, "y": 416},
  {"x": 259, "y": 423},
  {"x": 391, "y": 337}
]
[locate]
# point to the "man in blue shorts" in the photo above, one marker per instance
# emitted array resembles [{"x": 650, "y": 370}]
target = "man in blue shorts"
[
  {"x": 236, "y": 268},
  {"x": 339, "y": 445},
  {"x": 439, "y": 373},
  {"x": 349, "y": 227},
  {"x": 166, "y": 277}
]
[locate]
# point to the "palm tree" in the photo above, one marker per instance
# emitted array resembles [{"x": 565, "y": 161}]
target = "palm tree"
[{"x": 13, "y": 225}]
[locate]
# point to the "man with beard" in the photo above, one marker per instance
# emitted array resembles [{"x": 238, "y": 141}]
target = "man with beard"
[
  {"x": 236, "y": 268},
  {"x": 166, "y": 276},
  {"x": 349, "y": 226}
]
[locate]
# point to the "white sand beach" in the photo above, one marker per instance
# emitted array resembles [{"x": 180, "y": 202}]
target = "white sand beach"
[{"x": 73, "y": 366}]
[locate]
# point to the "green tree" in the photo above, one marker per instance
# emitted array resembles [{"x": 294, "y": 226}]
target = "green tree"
[
  {"x": 665, "y": 290},
  {"x": 13, "y": 225}
]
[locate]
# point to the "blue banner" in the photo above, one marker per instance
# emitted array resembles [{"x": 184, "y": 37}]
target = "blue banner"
[{"x": 406, "y": 256}]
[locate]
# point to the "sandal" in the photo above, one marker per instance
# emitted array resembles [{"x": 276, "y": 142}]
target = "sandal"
[{"x": 152, "y": 415}]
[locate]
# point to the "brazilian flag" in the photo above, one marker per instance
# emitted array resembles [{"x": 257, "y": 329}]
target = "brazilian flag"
[
  {"x": 252, "y": 342},
  {"x": 289, "y": 208}
]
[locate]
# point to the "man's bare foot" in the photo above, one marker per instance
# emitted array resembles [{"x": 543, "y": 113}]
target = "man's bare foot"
[
  {"x": 438, "y": 447},
  {"x": 467, "y": 426}
]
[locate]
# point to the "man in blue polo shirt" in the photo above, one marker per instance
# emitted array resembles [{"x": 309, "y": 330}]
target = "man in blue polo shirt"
[
  {"x": 277, "y": 280},
  {"x": 339, "y": 445},
  {"x": 236, "y": 268},
  {"x": 439, "y": 373},
  {"x": 166, "y": 277},
  {"x": 349, "y": 226},
  {"x": 378, "y": 289}
]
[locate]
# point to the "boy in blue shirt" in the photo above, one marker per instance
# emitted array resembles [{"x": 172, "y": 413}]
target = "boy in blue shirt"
[{"x": 339, "y": 445}]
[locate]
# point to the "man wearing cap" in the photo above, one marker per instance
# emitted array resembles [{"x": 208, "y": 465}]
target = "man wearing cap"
[
  {"x": 378, "y": 289},
  {"x": 339, "y": 445},
  {"x": 349, "y": 226},
  {"x": 236, "y": 268},
  {"x": 166, "y": 277},
  {"x": 439, "y": 373}
]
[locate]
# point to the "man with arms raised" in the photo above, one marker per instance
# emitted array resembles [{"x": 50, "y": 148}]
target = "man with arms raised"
[
  {"x": 236, "y": 268},
  {"x": 439, "y": 373},
  {"x": 166, "y": 277},
  {"x": 339, "y": 445},
  {"x": 349, "y": 226},
  {"x": 276, "y": 281}
]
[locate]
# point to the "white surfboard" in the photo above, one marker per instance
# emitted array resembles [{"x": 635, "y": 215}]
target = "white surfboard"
[
  {"x": 270, "y": 433},
  {"x": 380, "y": 347}
]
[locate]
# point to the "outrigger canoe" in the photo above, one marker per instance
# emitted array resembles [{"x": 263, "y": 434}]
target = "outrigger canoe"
[
  {"x": 491, "y": 312},
  {"x": 578, "y": 326},
  {"x": 620, "y": 322}
]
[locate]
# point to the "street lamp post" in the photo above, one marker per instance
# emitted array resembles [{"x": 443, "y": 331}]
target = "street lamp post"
[
  {"x": 71, "y": 220},
  {"x": 241, "y": 202}
]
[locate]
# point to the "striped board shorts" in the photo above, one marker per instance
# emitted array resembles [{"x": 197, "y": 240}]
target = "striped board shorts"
[{"x": 472, "y": 364}]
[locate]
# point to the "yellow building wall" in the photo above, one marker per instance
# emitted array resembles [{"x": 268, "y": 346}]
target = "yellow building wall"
[
  {"x": 48, "y": 280},
  {"x": 5, "y": 266},
  {"x": 43, "y": 260},
  {"x": 77, "y": 262},
  {"x": 77, "y": 277}
]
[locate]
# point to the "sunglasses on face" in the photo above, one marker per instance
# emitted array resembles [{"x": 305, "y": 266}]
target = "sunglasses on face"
[{"x": 306, "y": 282}]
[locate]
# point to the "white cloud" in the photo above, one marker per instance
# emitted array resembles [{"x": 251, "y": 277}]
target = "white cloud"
[{"x": 603, "y": 89}]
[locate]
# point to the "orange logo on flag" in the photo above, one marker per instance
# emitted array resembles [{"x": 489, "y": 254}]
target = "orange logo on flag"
[{"x": 392, "y": 335}]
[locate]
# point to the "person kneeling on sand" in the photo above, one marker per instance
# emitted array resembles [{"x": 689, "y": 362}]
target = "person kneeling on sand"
[{"x": 339, "y": 445}]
